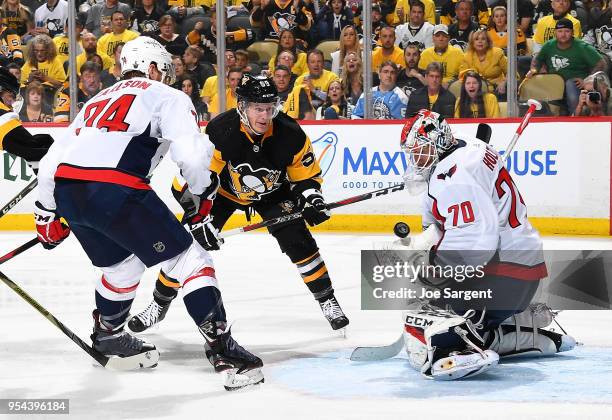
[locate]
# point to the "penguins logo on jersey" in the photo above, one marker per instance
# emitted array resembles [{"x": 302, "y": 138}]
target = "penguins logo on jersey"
[
  {"x": 251, "y": 184},
  {"x": 280, "y": 21},
  {"x": 55, "y": 26}
]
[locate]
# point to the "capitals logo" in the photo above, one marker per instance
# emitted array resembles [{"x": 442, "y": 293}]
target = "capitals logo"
[
  {"x": 325, "y": 150},
  {"x": 251, "y": 184}
]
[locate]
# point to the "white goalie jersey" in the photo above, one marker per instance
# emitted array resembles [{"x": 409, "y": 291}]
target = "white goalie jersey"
[
  {"x": 121, "y": 135},
  {"x": 472, "y": 198}
]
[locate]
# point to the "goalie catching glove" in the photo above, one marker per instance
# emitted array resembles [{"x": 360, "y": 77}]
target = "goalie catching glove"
[
  {"x": 49, "y": 228},
  {"x": 313, "y": 207},
  {"x": 197, "y": 213}
]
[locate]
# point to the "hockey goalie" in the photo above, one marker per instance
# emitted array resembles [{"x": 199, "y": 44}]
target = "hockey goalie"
[{"x": 473, "y": 215}]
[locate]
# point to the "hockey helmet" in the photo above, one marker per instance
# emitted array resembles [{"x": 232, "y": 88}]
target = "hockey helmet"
[
  {"x": 256, "y": 90},
  {"x": 140, "y": 53},
  {"x": 425, "y": 138}
]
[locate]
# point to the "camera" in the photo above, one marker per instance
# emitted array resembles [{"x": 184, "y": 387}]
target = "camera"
[{"x": 594, "y": 96}]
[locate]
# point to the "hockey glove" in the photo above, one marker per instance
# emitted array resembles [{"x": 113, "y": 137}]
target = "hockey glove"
[
  {"x": 197, "y": 214},
  {"x": 50, "y": 230},
  {"x": 313, "y": 207}
]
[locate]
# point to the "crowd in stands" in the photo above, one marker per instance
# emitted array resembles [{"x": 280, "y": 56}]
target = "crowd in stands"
[{"x": 446, "y": 55}]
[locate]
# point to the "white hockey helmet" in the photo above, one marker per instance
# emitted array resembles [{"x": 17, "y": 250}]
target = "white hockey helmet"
[
  {"x": 140, "y": 53},
  {"x": 425, "y": 138}
]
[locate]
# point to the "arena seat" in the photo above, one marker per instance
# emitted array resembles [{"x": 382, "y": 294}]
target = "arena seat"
[
  {"x": 262, "y": 51},
  {"x": 543, "y": 87}
]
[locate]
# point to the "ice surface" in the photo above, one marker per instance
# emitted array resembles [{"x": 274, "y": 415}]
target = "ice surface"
[{"x": 308, "y": 374}]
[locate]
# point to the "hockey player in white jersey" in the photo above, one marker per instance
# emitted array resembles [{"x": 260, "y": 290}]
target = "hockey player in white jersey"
[
  {"x": 473, "y": 215},
  {"x": 97, "y": 178}
]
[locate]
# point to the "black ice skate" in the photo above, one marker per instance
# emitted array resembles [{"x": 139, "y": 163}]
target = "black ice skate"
[
  {"x": 130, "y": 352},
  {"x": 151, "y": 315},
  {"x": 239, "y": 367},
  {"x": 333, "y": 313}
]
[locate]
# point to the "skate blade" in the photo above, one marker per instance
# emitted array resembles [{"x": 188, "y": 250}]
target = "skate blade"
[
  {"x": 342, "y": 332},
  {"x": 233, "y": 381},
  {"x": 139, "y": 361}
]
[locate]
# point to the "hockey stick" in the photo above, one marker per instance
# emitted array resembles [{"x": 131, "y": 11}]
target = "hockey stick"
[
  {"x": 392, "y": 350},
  {"x": 293, "y": 216},
  {"x": 19, "y": 250},
  {"x": 368, "y": 354},
  {"x": 116, "y": 363},
  {"x": 19, "y": 197}
]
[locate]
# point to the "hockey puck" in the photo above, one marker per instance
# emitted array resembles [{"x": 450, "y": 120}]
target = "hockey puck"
[{"x": 401, "y": 229}]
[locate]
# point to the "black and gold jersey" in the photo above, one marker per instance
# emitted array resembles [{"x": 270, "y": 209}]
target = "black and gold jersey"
[
  {"x": 10, "y": 47},
  {"x": 282, "y": 14},
  {"x": 250, "y": 169},
  {"x": 17, "y": 140}
]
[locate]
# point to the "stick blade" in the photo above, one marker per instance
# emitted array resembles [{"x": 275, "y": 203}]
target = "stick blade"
[
  {"x": 143, "y": 360},
  {"x": 369, "y": 354}
]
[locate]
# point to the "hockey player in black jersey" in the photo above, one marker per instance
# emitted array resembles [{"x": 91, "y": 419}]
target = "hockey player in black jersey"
[
  {"x": 13, "y": 137},
  {"x": 265, "y": 163}
]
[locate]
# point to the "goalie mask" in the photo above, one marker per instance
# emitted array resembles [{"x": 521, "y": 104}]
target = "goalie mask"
[
  {"x": 140, "y": 53},
  {"x": 426, "y": 138}
]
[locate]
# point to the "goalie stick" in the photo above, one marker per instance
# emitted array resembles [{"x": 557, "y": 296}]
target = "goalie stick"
[
  {"x": 386, "y": 352},
  {"x": 115, "y": 363},
  {"x": 13, "y": 202}
]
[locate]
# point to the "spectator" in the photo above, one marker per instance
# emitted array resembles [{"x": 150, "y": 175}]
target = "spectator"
[
  {"x": 432, "y": 96},
  {"x": 272, "y": 17},
  {"x": 316, "y": 79},
  {"x": 206, "y": 37},
  {"x": 460, "y": 31},
  {"x": 242, "y": 61},
  {"x": 112, "y": 75},
  {"x": 450, "y": 57},
  {"x": 10, "y": 46},
  {"x": 332, "y": 19},
  {"x": 599, "y": 34},
  {"x": 388, "y": 51},
  {"x": 416, "y": 29},
  {"x": 211, "y": 85},
  {"x": 17, "y": 17},
  {"x": 233, "y": 78},
  {"x": 490, "y": 62},
  {"x": 498, "y": 32},
  {"x": 546, "y": 27},
  {"x": 525, "y": 10},
  {"x": 182, "y": 9},
  {"x": 15, "y": 70},
  {"x": 377, "y": 24},
  {"x": 89, "y": 86},
  {"x": 172, "y": 42},
  {"x": 287, "y": 41},
  {"x": 411, "y": 78},
  {"x": 472, "y": 102},
  {"x": 35, "y": 110},
  {"x": 348, "y": 42},
  {"x": 90, "y": 48},
  {"x": 572, "y": 59},
  {"x": 403, "y": 11},
  {"x": 50, "y": 17},
  {"x": 99, "y": 16},
  {"x": 389, "y": 101},
  {"x": 62, "y": 42},
  {"x": 145, "y": 17},
  {"x": 282, "y": 80},
  {"x": 594, "y": 100},
  {"x": 576, "y": 10},
  {"x": 448, "y": 16},
  {"x": 299, "y": 104},
  {"x": 42, "y": 63},
  {"x": 335, "y": 106},
  {"x": 190, "y": 86},
  {"x": 287, "y": 59},
  {"x": 179, "y": 71},
  {"x": 352, "y": 77},
  {"x": 191, "y": 57},
  {"x": 119, "y": 34}
]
